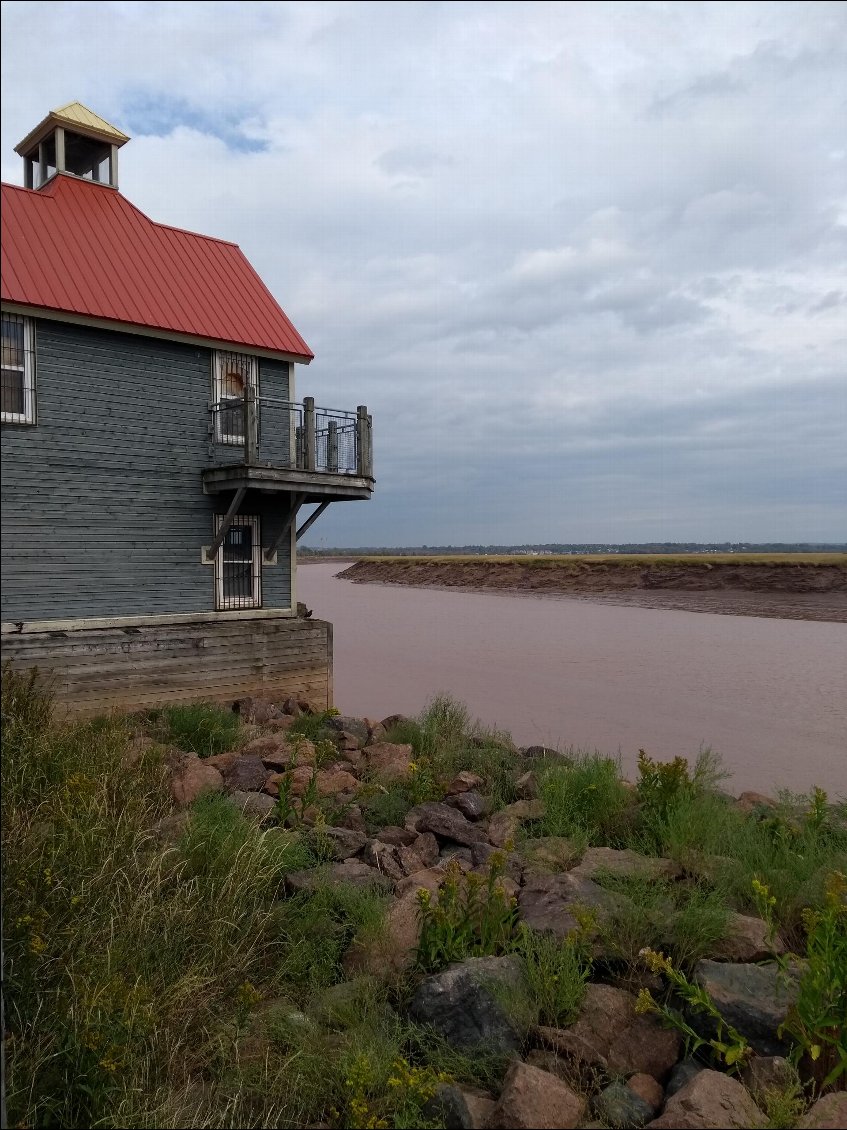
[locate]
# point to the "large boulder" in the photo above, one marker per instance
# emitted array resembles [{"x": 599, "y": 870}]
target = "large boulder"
[
  {"x": 462, "y": 1006},
  {"x": 532, "y": 1099},
  {"x": 746, "y": 939},
  {"x": 625, "y": 864},
  {"x": 828, "y": 1113},
  {"x": 609, "y": 1034},
  {"x": 755, "y": 999},
  {"x": 257, "y": 806},
  {"x": 471, "y": 804},
  {"x": 248, "y": 774},
  {"x": 389, "y": 762},
  {"x": 193, "y": 779},
  {"x": 344, "y": 842},
  {"x": 552, "y": 903},
  {"x": 710, "y": 1100},
  {"x": 355, "y": 726},
  {"x": 445, "y": 822},
  {"x": 331, "y": 782}
]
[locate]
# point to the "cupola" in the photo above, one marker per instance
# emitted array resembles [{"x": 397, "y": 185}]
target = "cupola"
[{"x": 75, "y": 141}]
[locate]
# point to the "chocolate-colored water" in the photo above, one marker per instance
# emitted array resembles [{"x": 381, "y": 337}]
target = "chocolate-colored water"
[{"x": 769, "y": 695}]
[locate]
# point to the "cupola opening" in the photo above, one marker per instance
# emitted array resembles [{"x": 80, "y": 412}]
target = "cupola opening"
[{"x": 75, "y": 141}]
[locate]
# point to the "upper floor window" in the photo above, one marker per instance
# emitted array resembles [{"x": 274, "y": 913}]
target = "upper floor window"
[
  {"x": 17, "y": 393},
  {"x": 233, "y": 374}
]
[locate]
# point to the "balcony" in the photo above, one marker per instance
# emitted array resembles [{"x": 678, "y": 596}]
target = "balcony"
[{"x": 263, "y": 443}]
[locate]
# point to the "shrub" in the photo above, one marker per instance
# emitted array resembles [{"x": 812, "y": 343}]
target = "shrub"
[
  {"x": 556, "y": 973},
  {"x": 202, "y": 728},
  {"x": 584, "y": 799}
]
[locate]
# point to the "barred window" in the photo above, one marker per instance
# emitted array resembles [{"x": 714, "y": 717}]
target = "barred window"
[
  {"x": 233, "y": 373},
  {"x": 238, "y": 565},
  {"x": 17, "y": 393}
]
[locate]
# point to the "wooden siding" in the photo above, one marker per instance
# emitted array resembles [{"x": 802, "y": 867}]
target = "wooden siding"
[
  {"x": 103, "y": 511},
  {"x": 133, "y": 668}
]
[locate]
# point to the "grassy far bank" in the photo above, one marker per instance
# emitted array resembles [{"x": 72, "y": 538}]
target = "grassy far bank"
[
  {"x": 161, "y": 972},
  {"x": 631, "y": 560}
]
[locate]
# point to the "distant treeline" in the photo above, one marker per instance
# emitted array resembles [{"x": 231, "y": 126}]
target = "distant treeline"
[{"x": 673, "y": 547}]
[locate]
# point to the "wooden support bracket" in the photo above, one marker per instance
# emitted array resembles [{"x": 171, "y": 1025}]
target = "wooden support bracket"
[
  {"x": 296, "y": 502},
  {"x": 237, "y": 498},
  {"x": 313, "y": 517}
]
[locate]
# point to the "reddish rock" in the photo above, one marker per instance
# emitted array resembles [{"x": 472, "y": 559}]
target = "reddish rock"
[
  {"x": 399, "y": 837},
  {"x": 299, "y": 778},
  {"x": 390, "y": 762},
  {"x": 445, "y": 822},
  {"x": 256, "y": 710},
  {"x": 646, "y": 1087},
  {"x": 344, "y": 841},
  {"x": 763, "y": 1073},
  {"x": 609, "y": 1034},
  {"x": 384, "y": 858},
  {"x": 268, "y": 745},
  {"x": 463, "y": 782},
  {"x": 271, "y": 785},
  {"x": 194, "y": 779},
  {"x": 533, "y": 1099},
  {"x": 280, "y": 725},
  {"x": 746, "y": 939},
  {"x": 223, "y": 762},
  {"x": 395, "y": 945},
  {"x": 302, "y": 750},
  {"x": 710, "y": 1100},
  {"x": 393, "y": 720},
  {"x": 291, "y": 707},
  {"x": 347, "y": 741},
  {"x": 331, "y": 782},
  {"x": 419, "y": 855},
  {"x": 480, "y": 1105},
  {"x": 352, "y": 818},
  {"x": 828, "y": 1113},
  {"x": 376, "y": 731}
]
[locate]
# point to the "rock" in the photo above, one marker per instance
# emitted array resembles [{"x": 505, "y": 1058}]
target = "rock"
[
  {"x": 828, "y": 1113},
  {"x": 681, "y": 1075},
  {"x": 258, "y": 806},
  {"x": 444, "y": 821},
  {"x": 170, "y": 828},
  {"x": 746, "y": 940},
  {"x": 539, "y": 751},
  {"x": 400, "y": 837},
  {"x": 384, "y": 858},
  {"x": 347, "y": 724},
  {"x": 551, "y": 903},
  {"x": 471, "y": 804},
  {"x": 619, "y": 1105},
  {"x": 345, "y": 841},
  {"x": 609, "y": 1034},
  {"x": 457, "y": 853},
  {"x": 351, "y": 871},
  {"x": 347, "y": 741},
  {"x": 752, "y": 998},
  {"x": 280, "y": 725},
  {"x": 481, "y": 854},
  {"x": 429, "y": 880},
  {"x": 550, "y": 853},
  {"x": 194, "y": 779},
  {"x": 376, "y": 731},
  {"x": 461, "y": 1007},
  {"x": 331, "y": 782},
  {"x": 390, "y": 762},
  {"x": 302, "y": 750},
  {"x": 625, "y": 864},
  {"x": 448, "y": 1108},
  {"x": 292, "y": 707},
  {"x": 463, "y": 782},
  {"x": 505, "y": 824},
  {"x": 763, "y": 1073},
  {"x": 274, "y": 751},
  {"x": 532, "y": 1098},
  {"x": 248, "y": 774},
  {"x": 257, "y": 711},
  {"x": 750, "y": 801},
  {"x": 394, "y": 948},
  {"x": 710, "y": 1099},
  {"x": 648, "y": 1090},
  {"x": 393, "y": 720},
  {"x": 479, "y": 1104},
  {"x": 223, "y": 762},
  {"x": 419, "y": 855},
  {"x": 299, "y": 779},
  {"x": 527, "y": 785},
  {"x": 351, "y": 817}
]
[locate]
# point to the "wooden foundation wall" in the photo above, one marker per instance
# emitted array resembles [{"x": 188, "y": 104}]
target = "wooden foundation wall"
[{"x": 127, "y": 669}]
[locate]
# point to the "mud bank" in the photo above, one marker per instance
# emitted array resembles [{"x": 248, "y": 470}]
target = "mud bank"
[{"x": 783, "y": 589}]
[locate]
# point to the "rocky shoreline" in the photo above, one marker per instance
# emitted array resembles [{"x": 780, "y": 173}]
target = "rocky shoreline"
[{"x": 615, "y": 1064}]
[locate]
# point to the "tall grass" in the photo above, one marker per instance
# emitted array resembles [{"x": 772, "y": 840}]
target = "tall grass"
[
  {"x": 201, "y": 728},
  {"x": 584, "y": 799}
]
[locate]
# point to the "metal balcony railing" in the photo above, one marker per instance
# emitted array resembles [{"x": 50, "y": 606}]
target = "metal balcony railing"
[{"x": 264, "y": 431}]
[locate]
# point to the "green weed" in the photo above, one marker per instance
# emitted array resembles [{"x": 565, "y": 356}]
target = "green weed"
[
  {"x": 202, "y": 728},
  {"x": 584, "y": 799}
]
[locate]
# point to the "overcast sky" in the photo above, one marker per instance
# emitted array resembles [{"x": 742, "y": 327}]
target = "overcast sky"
[{"x": 586, "y": 263}]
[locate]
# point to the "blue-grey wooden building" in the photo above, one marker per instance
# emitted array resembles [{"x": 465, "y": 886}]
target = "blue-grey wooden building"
[{"x": 154, "y": 455}]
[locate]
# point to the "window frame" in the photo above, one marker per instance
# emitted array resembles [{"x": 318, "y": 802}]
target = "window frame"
[
  {"x": 27, "y": 371},
  {"x": 225, "y": 603},
  {"x": 221, "y": 358}
]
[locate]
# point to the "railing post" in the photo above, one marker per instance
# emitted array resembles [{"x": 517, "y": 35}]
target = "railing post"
[
  {"x": 370, "y": 448},
  {"x": 251, "y": 427},
  {"x": 362, "y": 440},
  {"x": 309, "y": 427},
  {"x": 332, "y": 446}
]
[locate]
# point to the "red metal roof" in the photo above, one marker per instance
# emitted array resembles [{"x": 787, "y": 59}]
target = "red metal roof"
[{"x": 81, "y": 248}]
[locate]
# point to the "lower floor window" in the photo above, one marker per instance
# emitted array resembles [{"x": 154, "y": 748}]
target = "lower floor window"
[{"x": 238, "y": 565}]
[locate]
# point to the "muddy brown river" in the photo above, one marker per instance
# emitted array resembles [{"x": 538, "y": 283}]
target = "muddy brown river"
[{"x": 769, "y": 695}]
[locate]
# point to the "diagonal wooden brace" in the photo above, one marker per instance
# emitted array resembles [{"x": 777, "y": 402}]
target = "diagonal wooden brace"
[
  {"x": 226, "y": 523},
  {"x": 296, "y": 502},
  {"x": 313, "y": 517}
]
